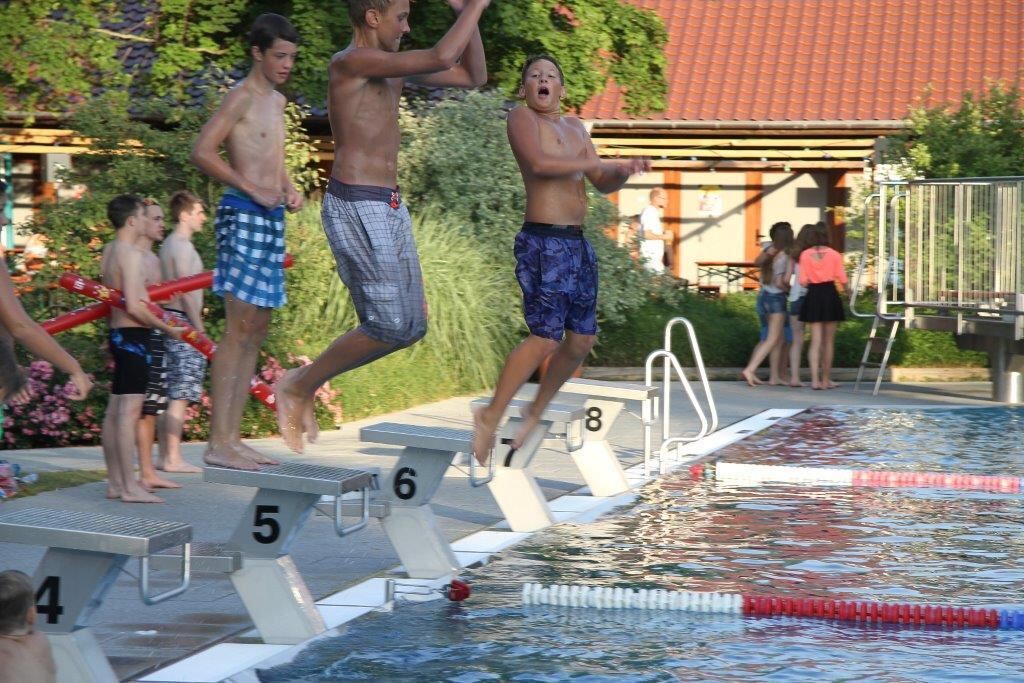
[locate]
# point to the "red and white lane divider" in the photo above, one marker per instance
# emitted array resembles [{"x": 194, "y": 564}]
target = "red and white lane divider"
[
  {"x": 607, "y": 597},
  {"x": 750, "y": 473}
]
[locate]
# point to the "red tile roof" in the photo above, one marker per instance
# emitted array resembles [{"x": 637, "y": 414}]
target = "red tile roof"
[{"x": 814, "y": 60}]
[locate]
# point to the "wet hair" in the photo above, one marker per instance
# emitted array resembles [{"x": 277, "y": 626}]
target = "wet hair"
[
  {"x": 121, "y": 208},
  {"x": 270, "y": 27},
  {"x": 182, "y": 201},
  {"x": 532, "y": 59},
  {"x": 16, "y": 599},
  {"x": 357, "y": 9}
]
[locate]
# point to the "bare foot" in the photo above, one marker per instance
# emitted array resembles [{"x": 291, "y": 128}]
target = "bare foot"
[
  {"x": 775, "y": 382},
  {"x": 225, "y": 456},
  {"x": 253, "y": 454},
  {"x": 831, "y": 385},
  {"x": 290, "y": 412},
  {"x": 137, "y": 494},
  {"x": 816, "y": 387},
  {"x": 796, "y": 384},
  {"x": 178, "y": 466},
  {"x": 156, "y": 482},
  {"x": 530, "y": 422},
  {"x": 309, "y": 422},
  {"x": 750, "y": 377},
  {"x": 113, "y": 493},
  {"x": 484, "y": 427}
]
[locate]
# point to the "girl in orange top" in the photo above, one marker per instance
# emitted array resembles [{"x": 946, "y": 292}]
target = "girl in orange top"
[{"x": 821, "y": 272}]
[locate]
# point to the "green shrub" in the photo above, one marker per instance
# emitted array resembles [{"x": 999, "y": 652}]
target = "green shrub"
[{"x": 727, "y": 331}]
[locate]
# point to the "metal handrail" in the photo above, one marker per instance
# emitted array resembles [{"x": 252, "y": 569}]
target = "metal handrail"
[
  {"x": 671, "y": 363},
  {"x": 858, "y": 274},
  {"x": 364, "y": 516},
  {"x": 474, "y": 481},
  {"x": 186, "y": 571}
]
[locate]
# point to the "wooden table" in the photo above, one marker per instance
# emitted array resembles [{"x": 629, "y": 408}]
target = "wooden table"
[{"x": 733, "y": 275}]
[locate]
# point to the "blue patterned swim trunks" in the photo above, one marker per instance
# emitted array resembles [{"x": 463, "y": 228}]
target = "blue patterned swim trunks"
[
  {"x": 250, "y": 251},
  {"x": 557, "y": 271}
]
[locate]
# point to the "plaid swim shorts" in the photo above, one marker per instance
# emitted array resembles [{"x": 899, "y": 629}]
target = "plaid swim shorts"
[
  {"x": 186, "y": 369},
  {"x": 250, "y": 251},
  {"x": 557, "y": 271},
  {"x": 370, "y": 234}
]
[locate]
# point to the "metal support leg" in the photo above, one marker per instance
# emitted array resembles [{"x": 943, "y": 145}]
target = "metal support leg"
[
  {"x": 412, "y": 528},
  {"x": 277, "y": 599},
  {"x": 514, "y": 489},
  {"x": 596, "y": 460},
  {"x": 70, "y": 584}
]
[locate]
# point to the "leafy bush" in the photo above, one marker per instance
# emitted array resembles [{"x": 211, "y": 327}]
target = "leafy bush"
[
  {"x": 727, "y": 330},
  {"x": 50, "y": 418}
]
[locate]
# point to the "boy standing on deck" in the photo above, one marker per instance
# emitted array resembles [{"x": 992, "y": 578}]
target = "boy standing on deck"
[
  {"x": 123, "y": 268},
  {"x": 186, "y": 367},
  {"x": 555, "y": 265},
  {"x": 367, "y": 224},
  {"x": 249, "y": 273}
]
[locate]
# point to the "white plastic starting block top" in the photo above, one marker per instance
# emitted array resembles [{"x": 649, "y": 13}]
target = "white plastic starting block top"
[
  {"x": 603, "y": 402},
  {"x": 85, "y": 553},
  {"x": 514, "y": 487},
  {"x": 407, "y": 490}
]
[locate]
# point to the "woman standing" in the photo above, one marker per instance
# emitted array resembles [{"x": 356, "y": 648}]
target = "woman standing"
[
  {"x": 821, "y": 272},
  {"x": 771, "y": 303}
]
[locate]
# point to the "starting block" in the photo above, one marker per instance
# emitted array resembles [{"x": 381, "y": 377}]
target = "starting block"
[
  {"x": 404, "y": 500},
  {"x": 257, "y": 556},
  {"x": 85, "y": 553}
]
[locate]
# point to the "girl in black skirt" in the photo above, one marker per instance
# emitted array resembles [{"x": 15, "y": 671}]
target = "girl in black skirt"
[{"x": 822, "y": 273}]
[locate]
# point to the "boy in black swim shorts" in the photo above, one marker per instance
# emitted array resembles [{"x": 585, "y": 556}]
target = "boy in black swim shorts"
[
  {"x": 130, "y": 331},
  {"x": 555, "y": 265}
]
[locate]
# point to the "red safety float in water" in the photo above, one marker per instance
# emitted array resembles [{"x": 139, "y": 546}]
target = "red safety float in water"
[{"x": 457, "y": 591}]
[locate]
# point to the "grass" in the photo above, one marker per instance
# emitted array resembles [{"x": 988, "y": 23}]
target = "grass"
[{"x": 55, "y": 481}]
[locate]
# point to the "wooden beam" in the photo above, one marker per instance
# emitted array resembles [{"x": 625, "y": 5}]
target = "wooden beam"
[
  {"x": 752, "y": 214},
  {"x": 673, "y": 219},
  {"x": 750, "y": 165},
  {"x": 684, "y": 141},
  {"x": 604, "y": 150}
]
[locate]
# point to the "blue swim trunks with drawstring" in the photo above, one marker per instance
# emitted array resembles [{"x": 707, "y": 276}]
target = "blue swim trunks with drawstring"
[{"x": 557, "y": 271}]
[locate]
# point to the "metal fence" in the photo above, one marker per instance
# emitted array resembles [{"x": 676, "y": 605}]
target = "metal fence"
[{"x": 954, "y": 246}]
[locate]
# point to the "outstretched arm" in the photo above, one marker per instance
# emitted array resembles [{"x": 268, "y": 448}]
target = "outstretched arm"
[
  {"x": 443, "y": 57},
  {"x": 30, "y": 335},
  {"x": 609, "y": 176}
]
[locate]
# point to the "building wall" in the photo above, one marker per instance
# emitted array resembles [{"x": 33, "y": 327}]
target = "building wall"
[
  {"x": 797, "y": 198},
  {"x": 712, "y": 219}
]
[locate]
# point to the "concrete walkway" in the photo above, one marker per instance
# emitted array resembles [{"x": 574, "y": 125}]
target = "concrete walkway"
[{"x": 139, "y": 639}]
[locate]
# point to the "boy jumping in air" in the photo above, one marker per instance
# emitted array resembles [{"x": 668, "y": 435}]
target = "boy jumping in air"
[
  {"x": 555, "y": 265},
  {"x": 367, "y": 224}
]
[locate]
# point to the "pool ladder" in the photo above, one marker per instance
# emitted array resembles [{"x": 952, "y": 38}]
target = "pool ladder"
[{"x": 670, "y": 366}]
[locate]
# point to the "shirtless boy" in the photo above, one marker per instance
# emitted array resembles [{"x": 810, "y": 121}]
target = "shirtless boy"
[
  {"x": 249, "y": 224},
  {"x": 123, "y": 268},
  {"x": 25, "y": 654},
  {"x": 16, "y": 325},
  {"x": 555, "y": 265},
  {"x": 367, "y": 224},
  {"x": 186, "y": 367},
  {"x": 155, "y": 401}
]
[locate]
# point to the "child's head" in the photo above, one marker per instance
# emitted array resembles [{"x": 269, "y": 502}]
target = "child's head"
[
  {"x": 819, "y": 235},
  {"x": 187, "y": 209},
  {"x": 542, "y": 83},
  {"x": 123, "y": 209},
  {"x": 388, "y": 18},
  {"x": 803, "y": 239},
  {"x": 154, "y": 214},
  {"x": 17, "y": 602},
  {"x": 273, "y": 44}
]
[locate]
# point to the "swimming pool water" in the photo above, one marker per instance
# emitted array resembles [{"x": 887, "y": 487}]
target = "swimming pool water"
[{"x": 903, "y": 545}]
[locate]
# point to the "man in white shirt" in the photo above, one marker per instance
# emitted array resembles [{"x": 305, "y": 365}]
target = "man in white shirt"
[{"x": 653, "y": 237}]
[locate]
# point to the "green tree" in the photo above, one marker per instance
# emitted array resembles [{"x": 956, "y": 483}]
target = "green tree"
[
  {"x": 984, "y": 136},
  {"x": 55, "y": 54}
]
